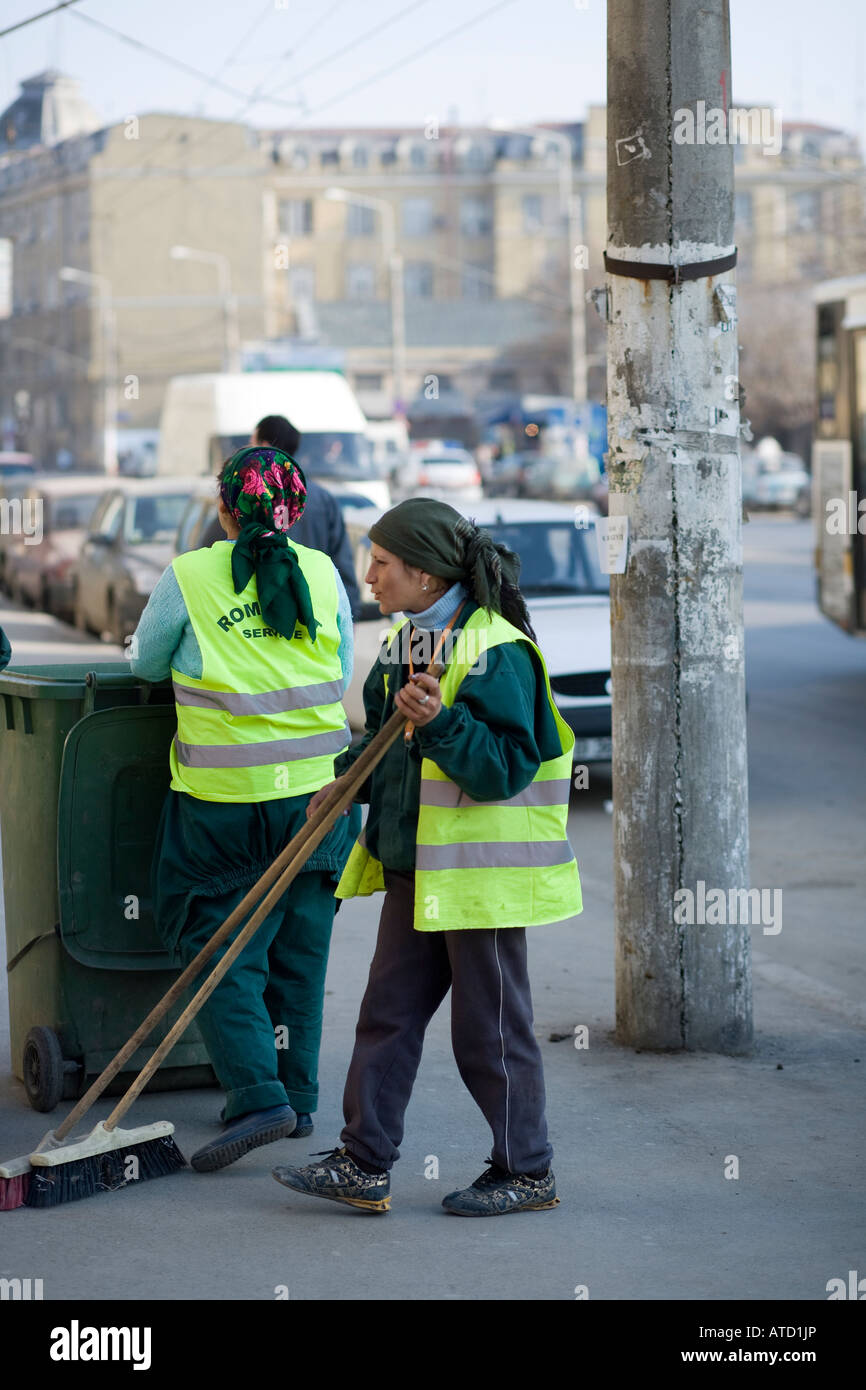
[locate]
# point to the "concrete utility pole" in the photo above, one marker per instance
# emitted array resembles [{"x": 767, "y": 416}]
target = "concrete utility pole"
[{"x": 679, "y": 729}]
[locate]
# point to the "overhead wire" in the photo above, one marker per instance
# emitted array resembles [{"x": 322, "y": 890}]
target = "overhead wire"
[{"x": 43, "y": 14}]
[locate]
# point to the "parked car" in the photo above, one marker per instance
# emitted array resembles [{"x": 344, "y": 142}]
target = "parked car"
[
  {"x": 777, "y": 480},
  {"x": 129, "y": 543},
  {"x": 569, "y": 605},
  {"x": 439, "y": 468},
  {"x": 197, "y": 517},
  {"x": 549, "y": 477},
  {"x": 13, "y": 486},
  {"x": 12, "y": 464},
  {"x": 43, "y": 574}
]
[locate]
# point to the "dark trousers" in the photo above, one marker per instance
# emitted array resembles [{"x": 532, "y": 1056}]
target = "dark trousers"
[
  {"x": 262, "y": 1025},
  {"x": 494, "y": 1045}
]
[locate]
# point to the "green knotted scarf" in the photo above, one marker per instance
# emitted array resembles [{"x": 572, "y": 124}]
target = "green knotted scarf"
[{"x": 265, "y": 491}]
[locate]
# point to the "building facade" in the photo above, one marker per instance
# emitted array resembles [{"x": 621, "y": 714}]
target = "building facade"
[{"x": 290, "y": 239}]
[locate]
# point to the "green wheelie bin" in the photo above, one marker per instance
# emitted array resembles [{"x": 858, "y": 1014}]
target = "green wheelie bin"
[{"x": 83, "y": 775}]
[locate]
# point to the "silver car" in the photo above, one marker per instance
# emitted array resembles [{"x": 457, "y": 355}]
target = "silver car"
[{"x": 129, "y": 543}]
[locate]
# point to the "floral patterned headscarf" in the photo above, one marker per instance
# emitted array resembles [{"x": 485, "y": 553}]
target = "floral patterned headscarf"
[{"x": 265, "y": 491}]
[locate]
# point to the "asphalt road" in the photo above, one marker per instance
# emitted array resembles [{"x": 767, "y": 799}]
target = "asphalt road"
[{"x": 641, "y": 1140}]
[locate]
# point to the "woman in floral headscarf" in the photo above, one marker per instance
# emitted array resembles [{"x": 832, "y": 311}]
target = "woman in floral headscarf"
[{"x": 256, "y": 634}]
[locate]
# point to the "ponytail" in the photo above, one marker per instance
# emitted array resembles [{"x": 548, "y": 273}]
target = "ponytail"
[{"x": 491, "y": 576}]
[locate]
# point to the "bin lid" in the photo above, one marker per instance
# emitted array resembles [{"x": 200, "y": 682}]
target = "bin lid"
[
  {"x": 65, "y": 680},
  {"x": 113, "y": 781}
]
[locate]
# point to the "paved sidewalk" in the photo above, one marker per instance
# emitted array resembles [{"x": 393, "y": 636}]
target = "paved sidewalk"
[{"x": 641, "y": 1147}]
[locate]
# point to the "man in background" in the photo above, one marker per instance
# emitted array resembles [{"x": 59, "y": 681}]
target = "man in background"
[{"x": 321, "y": 526}]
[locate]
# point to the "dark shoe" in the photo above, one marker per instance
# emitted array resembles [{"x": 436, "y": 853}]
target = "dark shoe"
[
  {"x": 246, "y": 1132},
  {"x": 498, "y": 1191},
  {"x": 339, "y": 1178},
  {"x": 303, "y": 1129}
]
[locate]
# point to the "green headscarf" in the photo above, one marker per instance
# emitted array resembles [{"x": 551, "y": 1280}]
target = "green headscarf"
[
  {"x": 265, "y": 491},
  {"x": 435, "y": 538}
]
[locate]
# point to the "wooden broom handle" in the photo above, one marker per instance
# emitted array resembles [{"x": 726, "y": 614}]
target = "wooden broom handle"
[
  {"x": 364, "y": 764},
  {"x": 297, "y": 852}
]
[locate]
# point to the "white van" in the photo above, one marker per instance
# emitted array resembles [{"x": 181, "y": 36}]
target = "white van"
[{"x": 207, "y": 417}]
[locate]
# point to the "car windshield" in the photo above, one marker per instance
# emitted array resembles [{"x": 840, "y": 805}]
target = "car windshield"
[
  {"x": 343, "y": 457},
  {"x": 449, "y": 460},
  {"x": 72, "y": 513},
  {"x": 556, "y": 557},
  {"x": 151, "y": 519}
]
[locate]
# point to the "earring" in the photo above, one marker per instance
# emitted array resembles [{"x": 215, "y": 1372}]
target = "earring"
[{"x": 424, "y": 586}]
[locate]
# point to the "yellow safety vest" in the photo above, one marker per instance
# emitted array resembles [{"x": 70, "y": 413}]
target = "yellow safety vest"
[
  {"x": 485, "y": 863},
  {"x": 265, "y": 719}
]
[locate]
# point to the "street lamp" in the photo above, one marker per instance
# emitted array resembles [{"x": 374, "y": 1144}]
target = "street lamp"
[
  {"x": 232, "y": 354},
  {"x": 572, "y": 206},
  {"x": 395, "y": 265},
  {"x": 108, "y": 324}
]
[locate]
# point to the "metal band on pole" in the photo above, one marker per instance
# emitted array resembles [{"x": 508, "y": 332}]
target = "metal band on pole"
[{"x": 674, "y": 274}]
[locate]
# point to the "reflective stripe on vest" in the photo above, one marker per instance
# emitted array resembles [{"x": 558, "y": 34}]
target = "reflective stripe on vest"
[
  {"x": 493, "y": 854},
  {"x": 265, "y": 719},
  {"x": 447, "y": 793},
  {"x": 290, "y": 750},
  {"x": 269, "y": 702},
  {"x": 486, "y": 864}
]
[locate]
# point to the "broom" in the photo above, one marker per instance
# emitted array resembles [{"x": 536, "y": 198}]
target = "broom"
[
  {"x": 15, "y": 1174},
  {"x": 57, "y": 1172}
]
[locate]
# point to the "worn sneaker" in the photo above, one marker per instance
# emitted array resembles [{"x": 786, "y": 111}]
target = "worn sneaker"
[
  {"x": 247, "y": 1132},
  {"x": 497, "y": 1191},
  {"x": 304, "y": 1127},
  {"x": 339, "y": 1178}
]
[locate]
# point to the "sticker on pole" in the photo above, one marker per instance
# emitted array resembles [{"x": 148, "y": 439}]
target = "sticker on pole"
[{"x": 611, "y": 533}]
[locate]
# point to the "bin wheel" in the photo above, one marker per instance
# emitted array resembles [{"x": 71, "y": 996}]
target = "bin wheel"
[{"x": 43, "y": 1068}]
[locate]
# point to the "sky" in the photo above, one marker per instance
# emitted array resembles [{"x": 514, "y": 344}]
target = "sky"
[{"x": 321, "y": 65}]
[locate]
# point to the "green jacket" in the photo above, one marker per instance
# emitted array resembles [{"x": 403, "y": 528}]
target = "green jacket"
[{"x": 491, "y": 742}]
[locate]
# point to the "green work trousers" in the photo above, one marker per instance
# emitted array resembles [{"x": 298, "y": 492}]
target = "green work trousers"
[{"x": 262, "y": 1025}]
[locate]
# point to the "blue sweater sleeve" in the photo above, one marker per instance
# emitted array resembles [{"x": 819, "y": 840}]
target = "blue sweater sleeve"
[{"x": 160, "y": 631}]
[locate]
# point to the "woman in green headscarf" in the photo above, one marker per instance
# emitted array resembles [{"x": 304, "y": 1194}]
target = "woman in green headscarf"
[
  {"x": 256, "y": 634},
  {"x": 466, "y": 834}
]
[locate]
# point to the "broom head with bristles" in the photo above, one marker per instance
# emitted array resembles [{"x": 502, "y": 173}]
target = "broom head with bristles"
[
  {"x": 15, "y": 1174},
  {"x": 102, "y": 1162}
]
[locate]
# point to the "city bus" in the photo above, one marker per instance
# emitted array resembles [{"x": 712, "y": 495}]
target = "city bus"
[{"x": 839, "y": 453}]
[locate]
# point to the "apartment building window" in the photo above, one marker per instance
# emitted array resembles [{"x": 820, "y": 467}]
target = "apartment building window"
[
  {"x": 418, "y": 280},
  {"x": 476, "y": 282},
  {"x": 417, "y": 216},
  {"x": 302, "y": 284},
  {"x": 805, "y": 211},
  {"x": 418, "y": 157},
  {"x": 743, "y": 211},
  {"x": 476, "y": 216},
  {"x": 360, "y": 220},
  {"x": 296, "y": 216},
  {"x": 361, "y": 281},
  {"x": 368, "y": 381},
  {"x": 360, "y": 157},
  {"x": 533, "y": 212},
  {"x": 475, "y": 156}
]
